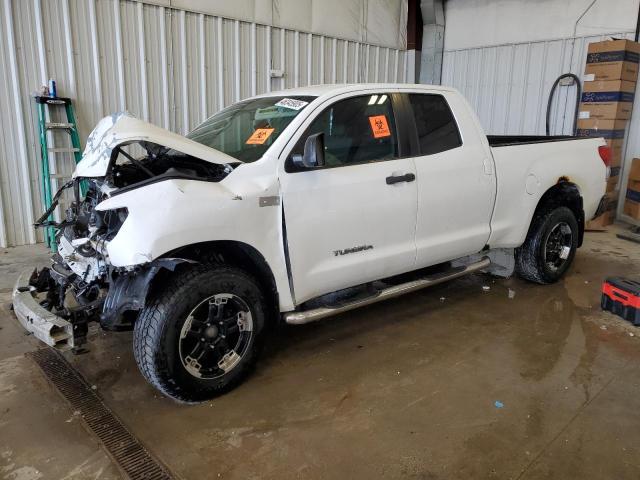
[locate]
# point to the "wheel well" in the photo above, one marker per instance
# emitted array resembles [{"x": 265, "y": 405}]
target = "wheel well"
[
  {"x": 240, "y": 255},
  {"x": 563, "y": 194}
]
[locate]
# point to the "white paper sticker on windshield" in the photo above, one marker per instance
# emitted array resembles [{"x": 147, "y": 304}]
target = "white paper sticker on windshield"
[{"x": 291, "y": 103}]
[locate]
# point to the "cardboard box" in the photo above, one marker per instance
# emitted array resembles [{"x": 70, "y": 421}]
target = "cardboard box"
[
  {"x": 609, "y": 129},
  {"x": 632, "y": 198},
  {"x": 615, "y": 165},
  {"x": 613, "y": 60},
  {"x": 616, "y": 147},
  {"x": 611, "y": 200},
  {"x": 632, "y": 209},
  {"x": 601, "y": 221},
  {"x": 633, "y": 190},
  {"x": 609, "y": 215},
  {"x": 634, "y": 172},
  {"x": 607, "y": 99}
]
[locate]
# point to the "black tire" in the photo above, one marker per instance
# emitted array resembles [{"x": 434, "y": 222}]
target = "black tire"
[
  {"x": 158, "y": 332},
  {"x": 531, "y": 261}
]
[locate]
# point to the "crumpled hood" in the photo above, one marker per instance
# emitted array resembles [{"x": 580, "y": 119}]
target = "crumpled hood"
[{"x": 121, "y": 128}]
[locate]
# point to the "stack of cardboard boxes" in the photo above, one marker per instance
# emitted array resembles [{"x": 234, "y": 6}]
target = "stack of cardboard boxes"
[
  {"x": 607, "y": 100},
  {"x": 632, "y": 200}
]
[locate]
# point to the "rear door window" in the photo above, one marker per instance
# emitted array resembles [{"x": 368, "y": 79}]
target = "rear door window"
[{"x": 436, "y": 128}]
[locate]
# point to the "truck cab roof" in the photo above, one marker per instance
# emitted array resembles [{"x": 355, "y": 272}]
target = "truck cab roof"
[{"x": 331, "y": 90}]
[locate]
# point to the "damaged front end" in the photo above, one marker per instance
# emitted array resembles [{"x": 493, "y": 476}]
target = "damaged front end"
[{"x": 57, "y": 303}]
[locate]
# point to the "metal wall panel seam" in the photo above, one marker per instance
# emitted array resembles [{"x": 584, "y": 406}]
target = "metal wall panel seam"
[
  {"x": 283, "y": 63},
  {"x": 203, "y": 67},
  {"x": 321, "y": 59},
  {"x": 68, "y": 43},
  {"x": 386, "y": 65},
  {"x": 366, "y": 64},
  {"x": 3, "y": 231},
  {"x": 268, "y": 58},
  {"x": 296, "y": 59},
  {"x": 524, "y": 87},
  {"x": 309, "y": 58},
  {"x": 405, "y": 70},
  {"x": 578, "y": 68},
  {"x": 510, "y": 84},
  {"x": 143, "y": 63},
  {"x": 119, "y": 55},
  {"x": 42, "y": 54},
  {"x": 166, "y": 106},
  {"x": 220, "y": 52},
  {"x": 334, "y": 60},
  {"x": 254, "y": 66},
  {"x": 356, "y": 67},
  {"x": 183, "y": 72},
  {"x": 345, "y": 62},
  {"x": 468, "y": 83},
  {"x": 494, "y": 76},
  {"x": 25, "y": 211},
  {"x": 356, "y": 62},
  {"x": 42, "y": 62},
  {"x": 236, "y": 55},
  {"x": 395, "y": 66},
  {"x": 556, "y": 105},
  {"x": 543, "y": 76},
  {"x": 95, "y": 54}
]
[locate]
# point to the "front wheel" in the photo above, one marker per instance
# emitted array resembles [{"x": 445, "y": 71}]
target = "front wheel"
[
  {"x": 199, "y": 335},
  {"x": 550, "y": 246}
]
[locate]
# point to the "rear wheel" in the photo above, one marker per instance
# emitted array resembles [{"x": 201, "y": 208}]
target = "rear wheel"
[
  {"x": 200, "y": 335},
  {"x": 550, "y": 246}
]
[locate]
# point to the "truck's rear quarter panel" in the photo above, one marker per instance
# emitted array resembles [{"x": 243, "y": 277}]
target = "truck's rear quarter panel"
[{"x": 526, "y": 171}]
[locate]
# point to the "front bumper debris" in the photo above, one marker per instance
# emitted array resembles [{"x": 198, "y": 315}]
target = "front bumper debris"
[{"x": 45, "y": 325}]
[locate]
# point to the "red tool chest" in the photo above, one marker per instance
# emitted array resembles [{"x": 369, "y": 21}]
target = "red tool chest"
[{"x": 621, "y": 296}]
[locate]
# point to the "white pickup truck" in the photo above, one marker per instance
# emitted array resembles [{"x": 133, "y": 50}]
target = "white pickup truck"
[{"x": 295, "y": 206}]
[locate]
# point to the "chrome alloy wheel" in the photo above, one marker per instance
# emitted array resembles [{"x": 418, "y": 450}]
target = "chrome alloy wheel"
[
  {"x": 215, "y": 336},
  {"x": 558, "y": 244}
]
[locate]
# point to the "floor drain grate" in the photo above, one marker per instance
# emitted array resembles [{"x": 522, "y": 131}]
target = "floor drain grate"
[{"x": 127, "y": 452}]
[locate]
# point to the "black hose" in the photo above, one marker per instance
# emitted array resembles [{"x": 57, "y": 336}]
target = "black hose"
[{"x": 578, "y": 95}]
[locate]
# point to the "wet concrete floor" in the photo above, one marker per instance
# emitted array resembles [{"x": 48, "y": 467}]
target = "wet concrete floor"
[{"x": 521, "y": 381}]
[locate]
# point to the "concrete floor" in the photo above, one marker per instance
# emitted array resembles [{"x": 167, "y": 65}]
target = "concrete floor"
[{"x": 409, "y": 388}]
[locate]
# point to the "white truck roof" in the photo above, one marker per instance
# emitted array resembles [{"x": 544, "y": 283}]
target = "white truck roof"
[{"x": 335, "y": 89}]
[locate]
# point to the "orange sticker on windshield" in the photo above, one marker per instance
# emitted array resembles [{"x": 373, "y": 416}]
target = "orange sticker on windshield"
[
  {"x": 379, "y": 126},
  {"x": 259, "y": 136}
]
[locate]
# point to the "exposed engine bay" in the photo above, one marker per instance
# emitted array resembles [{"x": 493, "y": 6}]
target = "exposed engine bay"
[{"x": 81, "y": 285}]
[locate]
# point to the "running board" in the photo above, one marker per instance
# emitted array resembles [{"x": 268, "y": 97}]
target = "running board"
[{"x": 299, "y": 318}]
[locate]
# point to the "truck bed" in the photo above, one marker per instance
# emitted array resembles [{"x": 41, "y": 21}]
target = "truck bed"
[{"x": 505, "y": 140}]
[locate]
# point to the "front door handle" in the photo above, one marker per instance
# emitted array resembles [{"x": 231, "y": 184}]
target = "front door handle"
[{"x": 407, "y": 177}]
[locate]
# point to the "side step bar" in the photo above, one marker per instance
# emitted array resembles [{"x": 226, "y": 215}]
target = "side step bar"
[{"x": 299, "y": 318}]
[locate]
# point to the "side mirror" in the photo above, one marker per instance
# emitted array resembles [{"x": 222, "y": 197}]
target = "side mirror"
[{"x": 313, "y": 156}]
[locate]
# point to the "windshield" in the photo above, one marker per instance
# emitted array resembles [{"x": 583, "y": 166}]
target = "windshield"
[{"x": 247, "y": 129}]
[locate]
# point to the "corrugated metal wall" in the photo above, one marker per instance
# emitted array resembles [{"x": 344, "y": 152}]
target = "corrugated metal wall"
[
  {"x": 509, "y": 85},
  {"x": 168, "y": 66}
]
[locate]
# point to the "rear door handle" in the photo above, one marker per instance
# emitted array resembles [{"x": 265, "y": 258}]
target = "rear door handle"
[{"x": 407, "y": 177}]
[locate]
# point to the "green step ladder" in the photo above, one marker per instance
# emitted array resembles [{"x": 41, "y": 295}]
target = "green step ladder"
[{"x": 44, "y": 104}]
